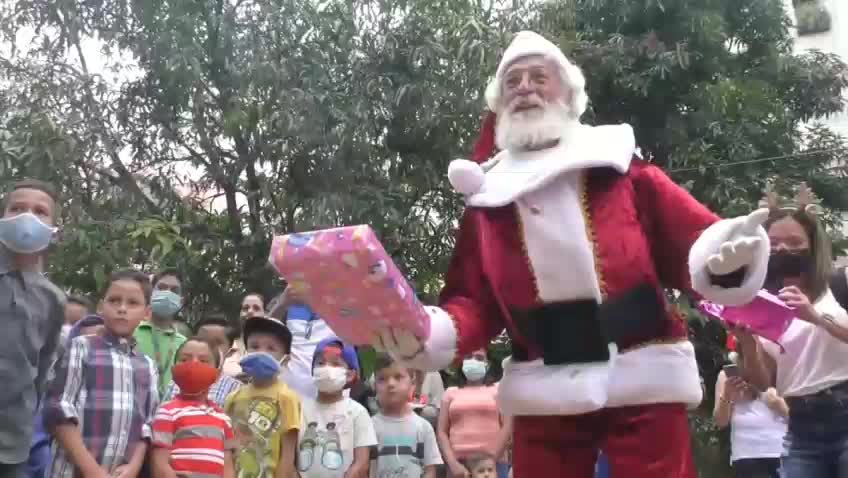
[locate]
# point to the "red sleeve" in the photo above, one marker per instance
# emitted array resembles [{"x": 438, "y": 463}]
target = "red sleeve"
[
  {"x": 673, "y": 220},
  {"x": 164, "y": 428},
  {"x": 467, "y": 295}
]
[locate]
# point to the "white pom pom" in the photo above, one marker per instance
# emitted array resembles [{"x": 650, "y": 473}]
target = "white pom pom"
[{"x": 465, "y": 176}]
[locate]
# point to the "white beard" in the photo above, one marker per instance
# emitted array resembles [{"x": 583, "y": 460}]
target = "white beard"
[{"x": 531, "y": 129}]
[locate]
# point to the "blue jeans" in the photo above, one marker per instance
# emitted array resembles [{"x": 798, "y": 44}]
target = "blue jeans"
[
  {"x": 503, "y": 470},
  {"x": 817, "y": 441},
  {"x": 602, "y": 468}
]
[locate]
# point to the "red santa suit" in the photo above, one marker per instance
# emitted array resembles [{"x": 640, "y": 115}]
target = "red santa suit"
[{"x": 570, "y": 249}]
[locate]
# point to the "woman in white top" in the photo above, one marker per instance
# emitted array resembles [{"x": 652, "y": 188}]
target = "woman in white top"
[
  {"x": 811, "y": 373},
  {"x": 757, "y": 423}
]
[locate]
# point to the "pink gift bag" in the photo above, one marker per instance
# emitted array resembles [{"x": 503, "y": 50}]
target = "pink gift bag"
[
  {"x": 346, "y": 277},
  {"x": 766, "y": 315}
]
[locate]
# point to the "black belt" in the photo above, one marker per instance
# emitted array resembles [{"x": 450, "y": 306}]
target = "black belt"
[
  {"x": 581, "y": 331},
  {"x": 837, "y": 394}
]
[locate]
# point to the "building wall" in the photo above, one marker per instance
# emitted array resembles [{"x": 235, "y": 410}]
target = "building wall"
[{"x": 833, "y": 41}]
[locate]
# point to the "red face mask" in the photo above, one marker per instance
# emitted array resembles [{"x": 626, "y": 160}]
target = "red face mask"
[{"x": 194, "y": 378}]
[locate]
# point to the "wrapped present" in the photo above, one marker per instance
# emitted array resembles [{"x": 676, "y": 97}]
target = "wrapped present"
[
  {"x": 766, "y": 316},
  {"x": 346, "y": 277}
]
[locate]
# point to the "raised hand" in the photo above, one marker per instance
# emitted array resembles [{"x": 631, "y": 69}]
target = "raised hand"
[{"x": 740, "y": 250}]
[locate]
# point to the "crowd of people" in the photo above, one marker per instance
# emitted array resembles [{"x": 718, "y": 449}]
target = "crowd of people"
[
  {"x": 121, "y": 392},
  {"x": 569, "y": 243},
  {"x": 787, "y": 402}
]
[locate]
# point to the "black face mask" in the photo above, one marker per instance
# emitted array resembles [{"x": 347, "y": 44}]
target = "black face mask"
[{"x": 786, "y": 265}]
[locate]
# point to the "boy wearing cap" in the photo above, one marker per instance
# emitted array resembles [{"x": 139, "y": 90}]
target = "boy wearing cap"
[
  {"x": 265, "y": 412},
  {"x": 336, "y": 434}
]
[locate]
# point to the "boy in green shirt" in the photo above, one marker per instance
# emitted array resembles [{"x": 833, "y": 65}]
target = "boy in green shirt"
[{"x": 158, "y": 338}]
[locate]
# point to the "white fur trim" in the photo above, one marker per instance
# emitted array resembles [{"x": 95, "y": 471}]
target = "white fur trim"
[
  {"x": 662, "y": 373},
  {"x": 533, "y": 388},
  {"x": 514, "y": 174},
  {"x": 465, "y": 176},
  {"x": 545, "y": 214},
  {"x": 709, "y": 243},
  {"x": 529, "y": 43},
  {"x": 665, "y": 373},
  {"x": 440, "y": 348}
]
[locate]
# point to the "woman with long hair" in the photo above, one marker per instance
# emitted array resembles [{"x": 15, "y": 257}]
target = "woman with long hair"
[
  {"x": 469, "y": 421},
  {"x": 811, "y": 372},
  {"x": 757, "y": 421}
]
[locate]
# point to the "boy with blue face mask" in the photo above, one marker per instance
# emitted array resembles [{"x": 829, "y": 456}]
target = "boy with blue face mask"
[
  {"x": 31, "y": 315},
  {"x": 158, "y": 338},
  {"x": 265, "y": 413}
]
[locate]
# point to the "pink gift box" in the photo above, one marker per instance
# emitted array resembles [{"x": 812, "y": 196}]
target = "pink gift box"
[
  {"x": 346, "y": 277},
  {"x": 766, "y": 315}
]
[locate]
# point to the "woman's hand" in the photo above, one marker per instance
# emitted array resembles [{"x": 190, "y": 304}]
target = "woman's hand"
[
  {"x": 458, "y": 470},
  {"x": 736, "y": 389},
  {"x": 742, "y": 333},
  {"x": 793, "y": 297},
  {"x": 771, "y": 398}
]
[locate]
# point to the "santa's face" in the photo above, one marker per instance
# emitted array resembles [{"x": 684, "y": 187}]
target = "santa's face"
[
  {"x": 530, "y": 83},
  {"x": 534, "y": 110}
]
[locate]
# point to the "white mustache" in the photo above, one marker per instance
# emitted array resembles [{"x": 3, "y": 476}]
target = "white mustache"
[
  {"x": 532, "y": 100},
  {"x": 523, "y": 129}
]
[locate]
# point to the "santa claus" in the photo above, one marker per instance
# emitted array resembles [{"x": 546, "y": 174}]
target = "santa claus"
[{"x": 568, "y": 242}]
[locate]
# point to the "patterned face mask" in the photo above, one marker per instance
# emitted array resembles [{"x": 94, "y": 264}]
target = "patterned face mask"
[{"x": 260, "y": 365}]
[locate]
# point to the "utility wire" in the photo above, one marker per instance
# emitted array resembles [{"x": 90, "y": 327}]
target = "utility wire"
[
  {"x": 727, "y": 164},
  {"x": 763, "y": 160}
]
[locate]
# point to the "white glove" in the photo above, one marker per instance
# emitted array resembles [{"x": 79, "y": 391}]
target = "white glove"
[
  {"x": 740, "y": 250},
  {"x": 433, "y": 354},
  {"x": 400, "y": 344}
]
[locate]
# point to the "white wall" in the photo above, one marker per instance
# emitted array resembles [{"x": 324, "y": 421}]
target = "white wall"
[{"x": 833, "y": 41}]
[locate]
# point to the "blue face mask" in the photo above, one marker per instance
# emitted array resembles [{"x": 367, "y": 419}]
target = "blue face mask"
[
  {"x": 260, "y": 365},
  {"x": 25, "y": 233},
  {"x": 165, "y": 303},
  {"x": 474, "y": 370}
]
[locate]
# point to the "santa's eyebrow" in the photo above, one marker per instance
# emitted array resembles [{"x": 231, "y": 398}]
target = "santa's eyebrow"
[{"x": 520, "y": 70}]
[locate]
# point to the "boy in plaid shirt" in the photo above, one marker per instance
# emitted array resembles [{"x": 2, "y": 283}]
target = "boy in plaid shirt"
[{"x": 101, "y": 404}]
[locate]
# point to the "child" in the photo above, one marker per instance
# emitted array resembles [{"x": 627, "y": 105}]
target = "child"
[
  {"x": 39, "y": 454},
  {"x": 265, "y": 412},
  {"x": 33, "y": 311},
  {"x": 481, "y": 465},
  {"x": 158, "y": 336},
  {"x": 215, "y": 331},
  {"x": 102, "y": 401},
  {"x": 407, "y": 445},
  {"x": 336, "y": 433},
  {"x": 192, "y": 436}
]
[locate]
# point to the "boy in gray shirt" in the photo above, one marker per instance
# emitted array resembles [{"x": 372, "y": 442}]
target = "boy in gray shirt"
[
  {"x": 31, "y": 316},
  {"x": 406, "y": 444}
]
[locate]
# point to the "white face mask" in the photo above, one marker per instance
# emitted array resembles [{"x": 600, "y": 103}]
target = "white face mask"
[
  {"x": 473, "y": 369},
  {"x": 329, "y": 379}
]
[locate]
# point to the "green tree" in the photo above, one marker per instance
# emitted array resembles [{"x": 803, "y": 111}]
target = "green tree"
[{"x": 300, "y": 114}]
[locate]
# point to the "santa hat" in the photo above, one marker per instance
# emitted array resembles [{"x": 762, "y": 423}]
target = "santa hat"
[
  {"x": 526, "y": 44},
  {"x": 466, "y": 176}
]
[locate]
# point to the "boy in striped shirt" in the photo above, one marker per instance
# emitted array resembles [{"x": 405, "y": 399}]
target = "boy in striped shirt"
[{"x": 192, "y": 436}]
